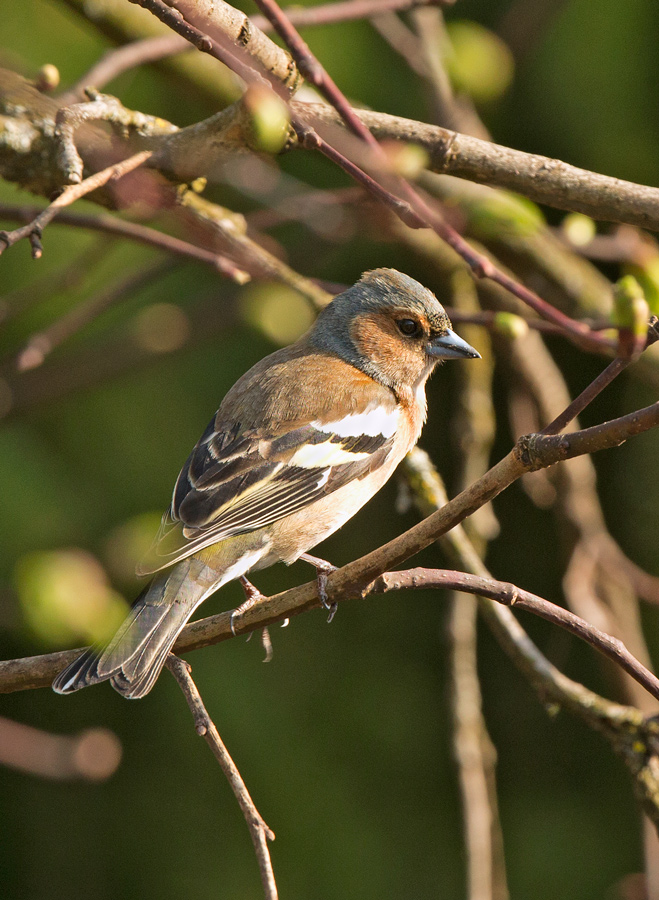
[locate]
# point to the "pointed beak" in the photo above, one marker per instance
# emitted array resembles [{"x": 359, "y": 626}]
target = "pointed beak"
[{"x": 450, "y": 346}]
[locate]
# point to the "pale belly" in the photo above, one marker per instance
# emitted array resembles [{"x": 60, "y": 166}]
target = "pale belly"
[{"x": 300, "y": 532}]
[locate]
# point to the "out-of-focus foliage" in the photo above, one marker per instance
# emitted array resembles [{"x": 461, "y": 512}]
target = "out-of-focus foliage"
[
  {"x": 478, "y": 61},
  {"x": 343, "y": 738},
  {"x": 65, "y": 596}
]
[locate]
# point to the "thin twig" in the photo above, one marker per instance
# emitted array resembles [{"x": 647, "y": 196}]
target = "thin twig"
[
  {"x": 511, "y": 595},
  {"x": 69, "y": 195},
  {"x": 416, "y": 213},
  {"x": 135, "y": 232},
  {"x": 413, "y": 209},
  {"x": 230, "y": 26},
  {"x": 602, "y": 381},
  {"x": 152, "y": 49},
  {"x": 258, "y": 829},
  {"x": 540, "y": 178},
  {"x": 492, "y": 321}
]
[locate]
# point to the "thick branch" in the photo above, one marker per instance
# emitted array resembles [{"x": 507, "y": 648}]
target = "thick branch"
[
  {"x": 545, "y": 180},
  {"x": 549, "y": 181},
  {"x": 223, "y": 24}
]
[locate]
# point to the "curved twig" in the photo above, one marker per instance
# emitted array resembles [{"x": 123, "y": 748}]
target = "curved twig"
[{"x": 511, "y": 595}]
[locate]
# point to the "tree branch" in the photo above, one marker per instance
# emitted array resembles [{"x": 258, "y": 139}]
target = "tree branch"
[
  {"x": 531, "y": 452},
  {"x": 34, "y": 229},
  {"x": 133, "y": 231},
  {"x": 204, "y": 726},
  {"x": 542, "y": 179},
  {"x": 511, "y": 595}
]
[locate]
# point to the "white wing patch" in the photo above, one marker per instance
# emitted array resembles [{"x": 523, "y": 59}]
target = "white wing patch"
[
  {"x": 319, "y": 456},
  {"x": 373, "y": 422}
]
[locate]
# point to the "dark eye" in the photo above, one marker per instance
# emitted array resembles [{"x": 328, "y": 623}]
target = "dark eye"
[{"x": 408, "y": 327}]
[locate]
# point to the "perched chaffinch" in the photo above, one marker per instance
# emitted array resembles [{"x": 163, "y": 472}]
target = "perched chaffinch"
[{"x": 300, "y": 443}]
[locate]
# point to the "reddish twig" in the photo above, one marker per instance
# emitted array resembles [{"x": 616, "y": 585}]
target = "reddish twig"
[
  {"x": 314, "y": 72},
  {"x": 412, "y": 210},
  {"x": 489, "y": 319},
  {"x": 135, "y": 232},
  {"x": 69, "y": 195},
  {"x": 416, "y": 212},
  {"x": 233, "y": 56},
  {"x": 602, "y": 381},
  {"x": 137, "y": 53},
  {"x": 258, "y": 829},
  {"x": 511, "y": 595}
]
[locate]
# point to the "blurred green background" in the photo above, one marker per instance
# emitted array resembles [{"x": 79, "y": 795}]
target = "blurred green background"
[{"x": 343, "y": 738}]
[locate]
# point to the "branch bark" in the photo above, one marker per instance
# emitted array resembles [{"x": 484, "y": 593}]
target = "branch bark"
[{"x": 542, "y": 179}]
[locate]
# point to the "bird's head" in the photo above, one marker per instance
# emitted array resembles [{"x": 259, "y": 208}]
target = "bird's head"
[{"x": 391, "y": 327}]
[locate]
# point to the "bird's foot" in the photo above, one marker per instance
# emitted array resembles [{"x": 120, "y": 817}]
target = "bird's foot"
[
  {"x": 252, "y": 596},
  {"x": 323, "y": 569}
]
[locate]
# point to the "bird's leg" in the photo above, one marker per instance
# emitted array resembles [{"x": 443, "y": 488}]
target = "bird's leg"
[
  {"x": 252, "y": 596},
  {"x": 323, "y": 569}
]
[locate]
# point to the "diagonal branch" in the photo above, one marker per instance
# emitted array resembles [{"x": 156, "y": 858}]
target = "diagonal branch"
[
  {"x": 133, "y": 231},
  {"x": 205, "y": 727},
  {"x": 530, "y": 453},
  {"x": 410, "y": 206}
]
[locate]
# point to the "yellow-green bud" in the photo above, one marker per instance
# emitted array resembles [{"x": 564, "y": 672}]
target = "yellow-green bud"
[
  {"x": 47, "y": 79},
  {"x": 630, "y": 309},
  {"x": 478, "y": 61},
  {"x": 269, "y": 118},
  {"x": 647, "y": 275},
  {"x": 496, "y": 212},
  {"x": 510, "y": 325},
  {"x": 578, "y": 229},
  {"x": 631, "y": 314}
]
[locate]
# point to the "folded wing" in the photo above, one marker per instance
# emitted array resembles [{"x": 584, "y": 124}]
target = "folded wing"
[{"x": 237, "y": 479}]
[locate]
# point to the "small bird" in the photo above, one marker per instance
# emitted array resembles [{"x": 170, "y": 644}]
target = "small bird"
[{"x": 300, "y": 443}]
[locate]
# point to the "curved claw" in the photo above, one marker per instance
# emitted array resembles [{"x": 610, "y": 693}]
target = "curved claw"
[{"x": 323, "y": 569}]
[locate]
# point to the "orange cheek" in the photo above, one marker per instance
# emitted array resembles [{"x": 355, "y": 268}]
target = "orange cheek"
[{"x": 391, "y": 355}]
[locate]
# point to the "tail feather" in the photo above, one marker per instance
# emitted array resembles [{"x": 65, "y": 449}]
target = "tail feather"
[{"x": 134, "y": 657}]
